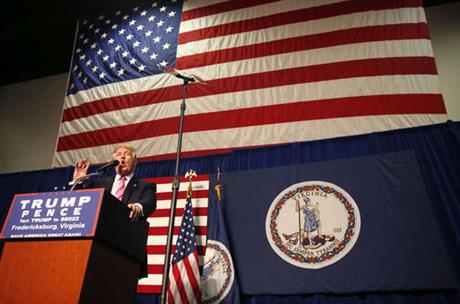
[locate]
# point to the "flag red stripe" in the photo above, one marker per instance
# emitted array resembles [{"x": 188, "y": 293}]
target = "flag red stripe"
[
  {"x": 169, "y": 179},
  {"x": 121, "y": 102},
  {"x": 186, "y": 154},
  {"x": 170, "y": 296},
  {"x": 221, "y": 7},
  {"x": 155, "y": 269},
  {"x": 149, "y": 288},
  {"x": 348, "y": 36},
  {"x": 270, "y": 48},
  {"x": 179, "y": 282},
  {"x": 291, "y": 17},
  {"x": 303, "y": 110},
  {"x": 161, "y": 249},
  {"x": 182, "y": 194},
  {"x": 179, "y": 212},
  {"x": 203, "y": 152},
  {"x": 199, "y": 230},
  {"x": 191, "y": 275}
]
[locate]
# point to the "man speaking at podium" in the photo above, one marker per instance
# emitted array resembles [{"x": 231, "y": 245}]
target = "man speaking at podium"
[{"x": 138, "y": 195}]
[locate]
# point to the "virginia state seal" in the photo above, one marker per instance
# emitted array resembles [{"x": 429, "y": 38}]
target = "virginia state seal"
[
  {"x": 313, "y": 224},
  {"x": 218, "y": 273}
]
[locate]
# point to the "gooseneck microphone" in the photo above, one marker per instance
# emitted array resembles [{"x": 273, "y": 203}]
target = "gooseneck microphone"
[
  {"x": 186, "y": 78},
  {"x": 112, "y": 164},
  {"x": 99, "y": 171}
]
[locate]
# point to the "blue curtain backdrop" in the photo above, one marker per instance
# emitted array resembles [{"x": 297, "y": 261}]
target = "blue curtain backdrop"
[{"x": 437, "y": 148}]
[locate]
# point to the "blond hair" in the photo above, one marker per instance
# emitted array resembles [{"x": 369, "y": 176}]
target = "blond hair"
[{"x": 131, "y": 150}]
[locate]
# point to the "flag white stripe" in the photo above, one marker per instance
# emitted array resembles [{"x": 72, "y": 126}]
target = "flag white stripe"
[
  {"x": 312, "y": 27},
  {"x": 260, "y": 135},
  {"x": 183, "y": 276},
  {"x": 185, "y": 281},
  {"x": 161, "y": 239},
  {"x": 197, "y": 185},
  {"x": 189, "y": 5},
  {"x": 194, "y": 266},
  {"x": 173, "y": 289},
  {"x": 155, "y": 259},
  {"x": 186, "y": 278},
  {"x": 164, "y": 221},
  {"x": 156, "y": 240},
  {"x": 197, "y": 203},
  {"x": 115, "y": 89},
  {"x": 152, "y": 279},
  {"x": 248, "y": 13},
  {"x": 196, "y": 274}
]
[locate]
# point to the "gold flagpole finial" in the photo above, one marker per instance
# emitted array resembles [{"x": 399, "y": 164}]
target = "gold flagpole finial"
[
  {"x": 190, "y": 174},
  {"x": 218, "y": 187}
]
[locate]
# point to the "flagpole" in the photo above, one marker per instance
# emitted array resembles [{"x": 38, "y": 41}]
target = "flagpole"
[{"x": 175, "y": 190}]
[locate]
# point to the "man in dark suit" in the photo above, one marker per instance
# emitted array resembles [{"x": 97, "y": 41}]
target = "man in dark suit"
[{"x": 136, "y": 194}]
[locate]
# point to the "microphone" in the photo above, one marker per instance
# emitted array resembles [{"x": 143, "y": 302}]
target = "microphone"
[
  {"x": 99, "y": 171},
  {"x": 189, "y": 79},
  {"x": 112, "y": 164},
  {"x": 174, "y": 72}
]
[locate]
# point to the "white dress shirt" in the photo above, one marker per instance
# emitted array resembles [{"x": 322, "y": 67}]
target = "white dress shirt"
[{"x": 117, "y": 181}]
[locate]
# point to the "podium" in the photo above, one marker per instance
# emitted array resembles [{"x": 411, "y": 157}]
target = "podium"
[{"x": 71, "y": 247}]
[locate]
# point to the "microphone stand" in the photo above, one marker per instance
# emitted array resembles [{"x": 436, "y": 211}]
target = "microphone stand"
[
  {"x": 84, "y": 177},
  {"x": 175, "y": 190}
]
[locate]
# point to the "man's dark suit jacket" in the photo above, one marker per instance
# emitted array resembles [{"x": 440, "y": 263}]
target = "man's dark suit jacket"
[{"x": 137, "y": 191}]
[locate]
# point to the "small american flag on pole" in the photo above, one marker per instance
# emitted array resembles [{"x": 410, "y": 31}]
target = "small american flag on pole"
[
  {"x": 184, "y": 276},
  {"x": 156, "y": 243}
]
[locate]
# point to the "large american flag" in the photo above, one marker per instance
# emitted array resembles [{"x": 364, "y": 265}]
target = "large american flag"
[
  {"x": 156, "y": 242},
  {"x": 275, "y": 71}
]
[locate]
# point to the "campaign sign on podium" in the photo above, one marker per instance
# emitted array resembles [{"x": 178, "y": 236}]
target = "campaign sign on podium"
[{"x": 53, "y": 214}]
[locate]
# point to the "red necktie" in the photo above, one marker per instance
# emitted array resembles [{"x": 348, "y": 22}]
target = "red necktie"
[{"x": 121, "y": 188}]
